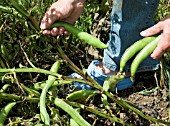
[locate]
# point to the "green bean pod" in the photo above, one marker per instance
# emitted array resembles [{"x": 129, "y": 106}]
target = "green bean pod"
[
  {"x": 72, "y": 122},
  {"x": 4, "y": 88},
  {"x": 72, "y": 112},
  {"x": 2, "y": 64},
  {"x": 5, "y": 111},
  {"x": 79, "y": 94},
  {"x": 30, "y": 91},
  {"x": 133, "y": 49},
  {"x": 81, "y": 35},
  {"x": 39, "y": 125},
  {"x": 144, "y": 53},
  {"x": 111, "y": 81},
  {"x": 51, "y": 79},
  {"x": 4, "y": 52}
]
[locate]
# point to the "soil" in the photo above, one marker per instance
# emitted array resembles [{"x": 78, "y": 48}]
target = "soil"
[{"x": 153, "y": 104}]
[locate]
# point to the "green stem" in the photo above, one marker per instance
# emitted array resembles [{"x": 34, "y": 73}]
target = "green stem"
[
  {"x": 5, "y": 96},
  {"x": 38, "y": 70},
  {"x": 34, "y": 22},
  {"x": 27, "y": 70},
  {"x": 115, "y": 99}
]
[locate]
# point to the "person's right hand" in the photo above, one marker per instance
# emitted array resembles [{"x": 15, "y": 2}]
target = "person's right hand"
[
  {"x": 62, "y": 10},
  {"x": 163, "y": 46}
]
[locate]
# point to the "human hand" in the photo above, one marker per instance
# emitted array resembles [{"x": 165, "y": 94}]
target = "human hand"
[
  {"x": 62, "y": 10},
  {"x": 163, "y": 46}
]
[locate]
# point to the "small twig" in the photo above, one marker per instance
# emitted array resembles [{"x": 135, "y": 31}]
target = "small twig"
[
  {"x": 2, "y": 26},
  {"x": 27, "y": 56},
  {"x": 156, "y": 79},
  {"x": 17, "y": 82}
]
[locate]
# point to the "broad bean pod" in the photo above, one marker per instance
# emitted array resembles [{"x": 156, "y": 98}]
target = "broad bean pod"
[
  {"x": 80, "y": 94},
  {"x": 51, "y": 79},
  {"x": 5, "y": 111},
  {"x": 144, "y": 53},
  {"x": 86, "y": 37},
  {"x": 72, "y": 112},
  {"x": 133, "y": 49}
]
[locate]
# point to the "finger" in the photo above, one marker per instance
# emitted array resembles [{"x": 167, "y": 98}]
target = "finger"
[
  {"x": 46, "y": 32},
  {"x": 53, "y": 17},
  {"x": 61, "y": 30},
  {"x": 66, "y": 33},
  {"x": 54, "y": 31},
  {"x": 167, "y": 29},
  {"x": 44, "y": 22},
  {"x": 157, "y": 53},
  {"x": 163, "y": 46},
  {"x": 157, "y": 28}
]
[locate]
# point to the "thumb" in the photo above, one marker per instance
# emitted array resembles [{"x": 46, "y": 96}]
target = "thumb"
[{"x": 157, "y": 28}]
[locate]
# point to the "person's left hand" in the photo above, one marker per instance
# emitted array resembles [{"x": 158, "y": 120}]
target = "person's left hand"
[{"x": 163, "y": 46}]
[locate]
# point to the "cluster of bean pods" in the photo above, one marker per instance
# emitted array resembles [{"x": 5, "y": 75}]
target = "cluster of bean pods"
[{"x": 143, "y": 48}]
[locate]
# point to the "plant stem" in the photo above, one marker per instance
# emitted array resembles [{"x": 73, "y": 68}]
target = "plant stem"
[
  {"x": 5, "y": 96},
  {"x": 38, "y": 70},
  {"x": 27, "y": 70}
]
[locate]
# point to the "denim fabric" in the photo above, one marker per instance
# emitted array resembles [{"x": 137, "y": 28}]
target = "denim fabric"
[
  {"x": 128, "y": 19},
  {"x": 99, "y": 77}
]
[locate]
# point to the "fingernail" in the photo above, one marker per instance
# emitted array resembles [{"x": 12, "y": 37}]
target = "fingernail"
[{"x": 143, "y": 33}]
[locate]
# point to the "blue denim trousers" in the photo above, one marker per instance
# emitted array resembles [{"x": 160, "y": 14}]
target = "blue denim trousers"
[{"x": 128, "y": 19}]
